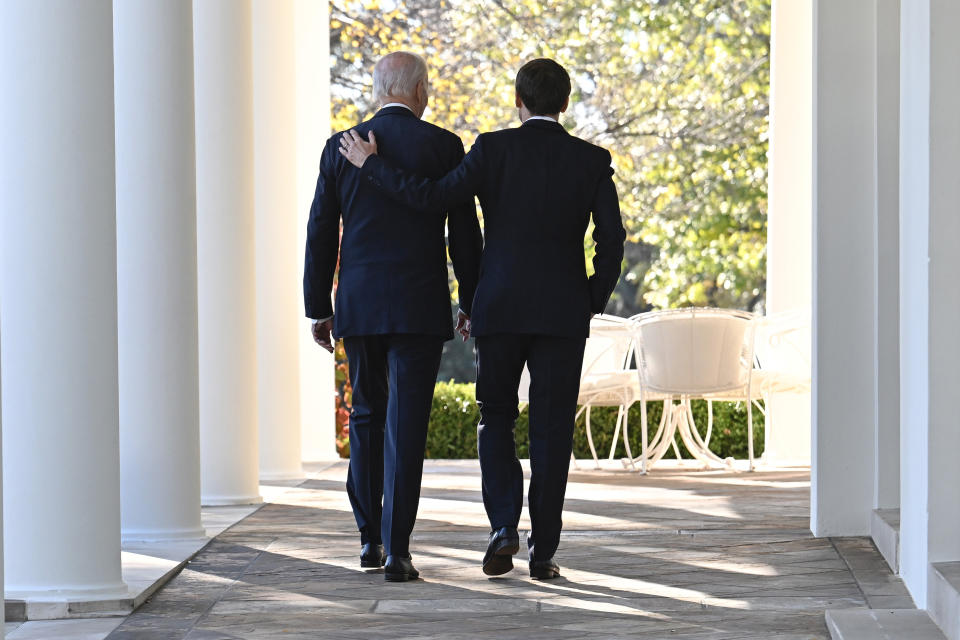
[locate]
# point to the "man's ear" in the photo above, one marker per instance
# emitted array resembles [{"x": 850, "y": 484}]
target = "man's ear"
[
  {"x": 566, "y": 103},
  {"x": 519, "y": 102}
]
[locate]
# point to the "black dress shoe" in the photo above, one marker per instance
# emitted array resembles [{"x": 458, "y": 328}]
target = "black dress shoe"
[
  {"x": 400, "y": 569},
  {"x": 504, "y": 542},
  {"x": 544, "y": 569},
  {"x": 372, "y": 556}
]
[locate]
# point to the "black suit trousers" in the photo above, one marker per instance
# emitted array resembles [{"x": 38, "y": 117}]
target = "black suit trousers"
[
  {"x": 554, "y": 364},
  {"x": 393, "y": 378}
]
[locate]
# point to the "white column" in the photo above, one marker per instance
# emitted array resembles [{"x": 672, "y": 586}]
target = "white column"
[
  {"x": 317, "y": 384},
  {"x": 887, "y": 284},
  {"x": 929, "y": 296},
  {"x": 279, "y": 306},
  {"x": 157, "y": 270},
  {"x": 58, "y": 286},
  {"x": 223, "y": 80},
  {"x": 844, "y": 305},
  {"x": 789, "y": 224}
]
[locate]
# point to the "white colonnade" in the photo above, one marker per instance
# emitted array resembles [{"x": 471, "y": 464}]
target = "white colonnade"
[
  {"x": 58, "y": 285},
  {"x": 886, "y": 303},
  {"x": 157, "y": 270},
  {"x": 930, "y": 300},
  {"x": 225, "y": 247},
  {"x": 128, "y": 279}
]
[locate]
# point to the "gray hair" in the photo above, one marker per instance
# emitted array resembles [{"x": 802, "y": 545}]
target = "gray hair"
[{"x": 397, "y": 74}]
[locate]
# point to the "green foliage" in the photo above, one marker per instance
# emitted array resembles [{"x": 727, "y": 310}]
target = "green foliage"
[
  {"x": 454, "y": 418},
  {"x": 677, "y": 90}
]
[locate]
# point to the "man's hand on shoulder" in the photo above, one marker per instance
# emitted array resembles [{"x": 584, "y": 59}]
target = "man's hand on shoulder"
[
  {"x": 463, "y": 325},
  {"x": 356, "y": 149},
  {"x": 321, "y": 333}
]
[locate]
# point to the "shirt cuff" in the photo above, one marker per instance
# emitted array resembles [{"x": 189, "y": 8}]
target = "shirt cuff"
[{"x": 316, "y": 320}]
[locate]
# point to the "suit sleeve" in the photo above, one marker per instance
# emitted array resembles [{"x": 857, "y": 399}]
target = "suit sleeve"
[
  {"x": 608, "y": 235},
  {"x": 323, "y": 240},
  {"x": 466, "y": 243},
  {"x": 458, "y": 185}
]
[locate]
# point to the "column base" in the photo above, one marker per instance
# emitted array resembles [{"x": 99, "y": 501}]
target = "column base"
[
  {"x": 226, "y": 501},
  {"x": 116, "y": 589},
  {"x": 146, "y": 567},
  {"x": 162, "y": 535}
]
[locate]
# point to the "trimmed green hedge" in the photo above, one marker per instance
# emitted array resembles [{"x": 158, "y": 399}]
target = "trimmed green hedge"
[{"x": 454, "y": 418}]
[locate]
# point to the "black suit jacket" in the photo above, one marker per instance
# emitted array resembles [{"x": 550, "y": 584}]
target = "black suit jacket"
[
  {"x": 538, "y": 186},
  {"x": 393, "y": 258}
]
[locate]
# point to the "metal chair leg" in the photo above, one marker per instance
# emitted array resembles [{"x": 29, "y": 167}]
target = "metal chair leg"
[
  {"x": 626, "y": 439},
  {"x": 616, "y": 433},
  {"x": 593, "y": 451}
]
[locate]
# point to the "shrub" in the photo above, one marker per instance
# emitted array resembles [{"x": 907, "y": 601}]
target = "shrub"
[{"x": 454, "y": 418}]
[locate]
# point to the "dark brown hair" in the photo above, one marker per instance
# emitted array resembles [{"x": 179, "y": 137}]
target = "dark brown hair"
[{"x": 543, "y": 85}]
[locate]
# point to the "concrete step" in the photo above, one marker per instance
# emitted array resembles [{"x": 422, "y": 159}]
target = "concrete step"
[
  {"x": 885, "y": 531},
  {"x": 944, "y": 603},
  {"x": 882, "y": 624}
]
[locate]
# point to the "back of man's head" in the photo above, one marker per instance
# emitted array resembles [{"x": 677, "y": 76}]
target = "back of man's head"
[
  {"x": 544, "y": 86},
  {"x": 397, "y": 75}
]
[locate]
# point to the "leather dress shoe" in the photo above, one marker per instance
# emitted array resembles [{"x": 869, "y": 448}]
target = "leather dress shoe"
[
  {"x": 371, "y": 556},
  {"x": 498, "y": 560},
  {"x": 544, "y": 569},
  {"x": 399, "y": 569}
]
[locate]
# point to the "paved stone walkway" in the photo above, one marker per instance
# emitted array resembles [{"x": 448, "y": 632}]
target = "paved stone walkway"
[{"x": 676, "y": 554}]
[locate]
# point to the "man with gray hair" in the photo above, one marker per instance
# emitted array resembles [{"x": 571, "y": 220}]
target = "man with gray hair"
[{"x": 392, "y": 304}]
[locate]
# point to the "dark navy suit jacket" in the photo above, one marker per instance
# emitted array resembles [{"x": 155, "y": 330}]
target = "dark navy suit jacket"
[
  {"x": 393, "y": 258},
  {"x": 538, "y": 186}
]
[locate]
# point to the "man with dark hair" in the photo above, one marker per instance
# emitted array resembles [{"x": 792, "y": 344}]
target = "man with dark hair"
[
  {"x": 392, "y": 306},
  {"x": 543, "y": 86},
  {"x": 538, "y": 186}
]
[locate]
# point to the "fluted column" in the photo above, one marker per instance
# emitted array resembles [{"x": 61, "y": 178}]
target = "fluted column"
[
  {"x": 157, "y": 270},
  {"x": 223, "y": 80},
  {"x": 58, "y": 300},
  {"x": 278, "y": 280}
]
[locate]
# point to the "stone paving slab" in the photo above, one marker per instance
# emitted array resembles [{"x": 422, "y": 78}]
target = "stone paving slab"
[{"x": 677, "y": 553}]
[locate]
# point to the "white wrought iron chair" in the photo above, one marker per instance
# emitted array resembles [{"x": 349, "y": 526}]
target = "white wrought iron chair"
[
  {"x": 686, "y": 354},
  {"x": 782, "y": 359},
  {"x": 606, "y": 378},
  {"x": 781, "y": 366}
]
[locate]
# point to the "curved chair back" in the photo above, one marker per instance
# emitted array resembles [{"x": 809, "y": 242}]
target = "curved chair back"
[
  {"x": 608, "y": 349},
  {"x": 694, "y": 351}
]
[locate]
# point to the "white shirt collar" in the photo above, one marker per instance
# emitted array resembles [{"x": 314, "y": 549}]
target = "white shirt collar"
[
  {"x": 397, "y": 104},
  {"x": 542, "y": 118}
]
